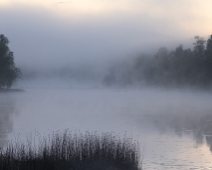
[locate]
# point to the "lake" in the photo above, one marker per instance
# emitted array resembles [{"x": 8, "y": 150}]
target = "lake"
[{"x": 172, "y": 127}]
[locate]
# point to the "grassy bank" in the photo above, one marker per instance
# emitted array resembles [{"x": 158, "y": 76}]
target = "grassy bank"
[{"x": 68, "y": 151}]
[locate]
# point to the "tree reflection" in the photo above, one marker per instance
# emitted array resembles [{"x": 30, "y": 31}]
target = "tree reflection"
[
  {"x": 7, "y": 110},
  {"x": 199, "y": 125},
  {"x": 209, "y": 141}
]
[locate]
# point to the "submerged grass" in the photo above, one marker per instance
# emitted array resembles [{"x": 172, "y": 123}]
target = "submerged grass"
[{"x": 68, "y": 151}]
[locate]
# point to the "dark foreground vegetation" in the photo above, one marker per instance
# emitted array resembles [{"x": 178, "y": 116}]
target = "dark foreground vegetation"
[
  {"x": 67, "y": 151},
  {"x": 179, "y": 67}
]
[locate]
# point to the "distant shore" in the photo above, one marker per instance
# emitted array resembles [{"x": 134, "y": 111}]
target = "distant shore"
[{"x": 11, "y": 90}]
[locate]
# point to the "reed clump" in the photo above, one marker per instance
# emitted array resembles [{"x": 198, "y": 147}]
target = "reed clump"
[{"x": 72, "y": 151}]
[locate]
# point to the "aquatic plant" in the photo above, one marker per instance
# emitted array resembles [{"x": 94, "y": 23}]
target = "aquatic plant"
[{"x": 72, "y": 151}]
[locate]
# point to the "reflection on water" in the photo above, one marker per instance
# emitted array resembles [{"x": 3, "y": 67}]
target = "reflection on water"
[
  {"x": 209, "y": 141},
  {"x": 199, "y": 125},
  {"x": 7, "y": 111}
]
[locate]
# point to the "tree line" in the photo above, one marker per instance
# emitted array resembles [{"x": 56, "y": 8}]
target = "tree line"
[{"x": 178, "y": 67}]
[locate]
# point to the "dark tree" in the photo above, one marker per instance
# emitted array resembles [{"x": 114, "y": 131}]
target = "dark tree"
[
  {"x": 208, "y": 60},
  {"x": 208, "y": 50},
  {"x": 199, "y": 47},
  {"x": 8, "y": 72}
]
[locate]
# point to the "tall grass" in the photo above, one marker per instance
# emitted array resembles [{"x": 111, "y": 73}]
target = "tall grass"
[{"x": 72, "y": 151}]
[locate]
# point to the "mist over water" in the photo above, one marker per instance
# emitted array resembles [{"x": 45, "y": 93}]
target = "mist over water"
[
  {"x": 8, "y": 111},
  {"x": 169, "y": 124}
]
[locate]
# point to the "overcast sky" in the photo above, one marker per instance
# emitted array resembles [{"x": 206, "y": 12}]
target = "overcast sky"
[{"x": 54, "y": 33}]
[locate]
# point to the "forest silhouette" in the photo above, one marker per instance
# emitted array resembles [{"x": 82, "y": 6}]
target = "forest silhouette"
[{"x": 179, "y": 67}]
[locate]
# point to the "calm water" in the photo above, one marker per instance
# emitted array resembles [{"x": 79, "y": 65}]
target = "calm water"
[{"x": 153, "y": 117}]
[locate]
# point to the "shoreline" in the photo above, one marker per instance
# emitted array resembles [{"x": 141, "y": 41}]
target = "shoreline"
[{"x": 11, "y": 90}]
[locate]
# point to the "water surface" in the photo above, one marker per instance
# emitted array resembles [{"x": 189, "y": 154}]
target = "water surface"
[{"x": 155, "y": 118}]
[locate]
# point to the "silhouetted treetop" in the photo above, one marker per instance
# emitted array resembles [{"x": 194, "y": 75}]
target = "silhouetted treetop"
[{"x": 8, "y": 72}]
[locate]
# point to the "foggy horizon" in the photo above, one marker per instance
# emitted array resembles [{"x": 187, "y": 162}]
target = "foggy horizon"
[{"x": 56, "y": 34}]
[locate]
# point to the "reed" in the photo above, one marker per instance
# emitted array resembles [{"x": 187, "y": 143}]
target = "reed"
[{"x": 72, "y": 151}]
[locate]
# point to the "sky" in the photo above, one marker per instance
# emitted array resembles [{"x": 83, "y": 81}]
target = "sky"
[{"x": 58, "y": 33}]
